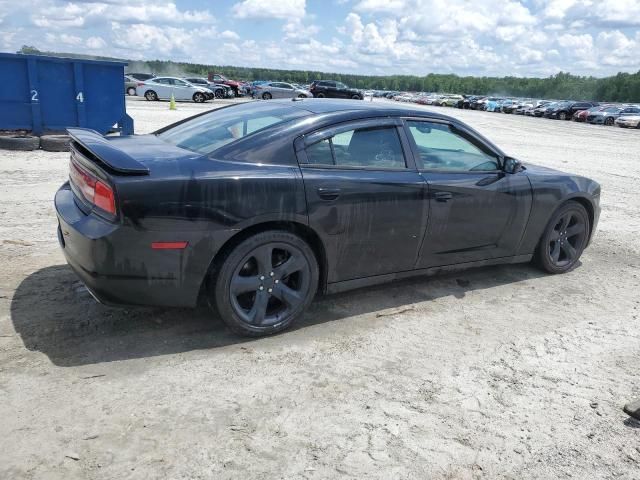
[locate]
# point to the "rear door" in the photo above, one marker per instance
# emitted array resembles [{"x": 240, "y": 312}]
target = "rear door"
[
  {"x": 477, "y": 211},
  {"x": 364, "y": 197}
]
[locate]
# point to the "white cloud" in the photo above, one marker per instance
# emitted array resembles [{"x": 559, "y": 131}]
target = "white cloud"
[
  {"x": 259, "y": 9},
  {"x": 96, "y": 43},
  {"x": 229, "y": 35}
]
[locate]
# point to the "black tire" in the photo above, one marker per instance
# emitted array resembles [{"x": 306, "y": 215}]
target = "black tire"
[
  {"x": 564, "y": 239},
  {"x": 199, "y": 97},
  {"x": 131, "y": 91},
  {"x": 320, "y": 95},
  {"x": 151, "y": 96},
  {"x": 608, "y": 121},
  {"x": 302, "y": 95},
  {"x": 23, "y": 143},
  {"x": 218, "y": 93},
  {"x": 55, "y": 143},
  {"x": 267, "y": 96},
  {"x": 250, "y": 275},
  {"x": 562, "y": 116},
  {"x": 356, "y": 97}
]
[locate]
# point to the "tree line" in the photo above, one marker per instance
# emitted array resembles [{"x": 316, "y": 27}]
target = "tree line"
[{"x": 622, "y": 87}]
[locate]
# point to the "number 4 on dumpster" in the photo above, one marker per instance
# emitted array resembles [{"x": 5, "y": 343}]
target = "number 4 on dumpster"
[{"x": 80, "y": 97}]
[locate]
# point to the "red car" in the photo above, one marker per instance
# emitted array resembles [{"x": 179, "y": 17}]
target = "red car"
[
  {"x": 237, "y": 87},
  {"x": 581, "y": 115}
]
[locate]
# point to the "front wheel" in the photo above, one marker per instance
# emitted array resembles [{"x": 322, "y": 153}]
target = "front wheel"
[
  {"x": 266, "y": 96},
  {"x": 320, "y": 95},
  {"x": 608, "y": 121},
  {"x": 355, "y": 97},
  {"x": 199, "y": 97},
  {"x": 266, "y": 283},
  {"x": 562, "y": 116},
  {"x": 564, "y": 239}
]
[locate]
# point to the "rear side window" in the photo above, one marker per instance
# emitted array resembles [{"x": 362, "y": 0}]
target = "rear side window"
[
  {"x": 206, "y": 133},
  {"x": 377, "y": 147}
]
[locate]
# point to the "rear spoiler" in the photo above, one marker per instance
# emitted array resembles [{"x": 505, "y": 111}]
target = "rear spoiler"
[{"x": 106, "y": 152}]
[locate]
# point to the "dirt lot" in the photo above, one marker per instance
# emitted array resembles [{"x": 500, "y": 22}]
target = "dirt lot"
[{"x": 495, "y": 373}]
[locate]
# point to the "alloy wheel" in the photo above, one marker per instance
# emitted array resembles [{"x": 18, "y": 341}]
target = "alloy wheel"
[
  {"x": 269, "y": 284},
  {"x": 566, "y": 239}
]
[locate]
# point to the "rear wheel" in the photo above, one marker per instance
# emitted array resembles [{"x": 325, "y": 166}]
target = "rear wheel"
[
  {"x": 266, "y": 283},
  {"x": 320, "y": 95},
  {"x": 564, "y": 239},
  {"x": 199, "y": 97},
  {"x": 302, "y": 95},
  {"x": 562, "y": 116},
  {"x": 355, "y": 97},
  {"x": 219, "y": 93},
  {"x": 131, "y": 91},
  {"x": 608, "y": 121},
  {"x": 150, "y": 95},
  {"x": 266, "y": 96}
]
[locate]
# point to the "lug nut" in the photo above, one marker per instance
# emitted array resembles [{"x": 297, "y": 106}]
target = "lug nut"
[
  {"x": 277, "y": 281},
  {"x": 261, "y": 277},
  {"x": 270, "y": 290},
  {"x": 261, "y": 288}
]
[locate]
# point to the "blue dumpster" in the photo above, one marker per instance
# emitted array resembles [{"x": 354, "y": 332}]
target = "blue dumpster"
[{"x": 48, "y": 94}]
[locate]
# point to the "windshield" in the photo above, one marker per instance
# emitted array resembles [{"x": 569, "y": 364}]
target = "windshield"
[{"x": 207, "y": 133}]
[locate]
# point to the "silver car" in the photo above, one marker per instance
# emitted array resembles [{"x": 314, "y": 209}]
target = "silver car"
[
  {"x": 161, "y": 88},
  {"x": 270, "y": 90}
]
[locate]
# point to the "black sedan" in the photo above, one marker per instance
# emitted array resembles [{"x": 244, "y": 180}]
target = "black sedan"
[{"x": 257, "y": 207}]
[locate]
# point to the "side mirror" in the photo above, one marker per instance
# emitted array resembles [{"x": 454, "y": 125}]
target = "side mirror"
[{"x": 511, "y": 165}]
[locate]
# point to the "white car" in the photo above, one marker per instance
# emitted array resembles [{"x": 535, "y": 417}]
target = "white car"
[
  {"x": 629, "y": 118},
  {"x": 161, "y": 88}
]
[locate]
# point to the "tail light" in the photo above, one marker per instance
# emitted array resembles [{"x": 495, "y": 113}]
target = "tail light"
[
  {"x": 140, "y": 84},
  {"x": 94, "y": 191}
]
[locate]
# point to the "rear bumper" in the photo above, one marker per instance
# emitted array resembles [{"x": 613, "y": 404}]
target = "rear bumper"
[{"x": 117, "y": 263}]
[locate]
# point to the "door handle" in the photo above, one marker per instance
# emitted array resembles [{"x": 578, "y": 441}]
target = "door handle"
[
  {"x": 328, "y": 193},
  {"x": 443, "y": 196}
]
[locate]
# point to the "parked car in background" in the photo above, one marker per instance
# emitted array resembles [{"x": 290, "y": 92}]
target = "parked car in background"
[
  {"x": 541, "y": 110},
  {"x": 141, "y": 76},
  {"x": 508, "y": 105},
  {"x": 222, "y": 209},
  {"x": 629, "y": 118},
  {"x": 130, "y": 85},
  {"x": 581, "y": 115},
  {"x": 201, "y": 82},
  {"x": 606, "y": 116},
  {"x": 270, "y": 90},
  {"x": 450, "y": 100},
  {"x": 162, "y": 88},
  {"x": 219, "y": 90},
  {"x": 566, "y": 110},
  {"x": 237, "y": 87},
  {"x": 493, "y": 104},
  {"x": 333, "y": 89}
]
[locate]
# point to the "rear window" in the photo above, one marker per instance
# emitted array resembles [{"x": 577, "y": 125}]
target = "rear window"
[{"x": 209, "y": 132}]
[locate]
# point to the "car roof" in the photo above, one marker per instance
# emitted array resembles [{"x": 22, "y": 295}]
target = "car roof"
[{"x": 328, "y": 105}]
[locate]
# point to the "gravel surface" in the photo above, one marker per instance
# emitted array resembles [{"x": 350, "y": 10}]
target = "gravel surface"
[{"x": 497, "y": 373}]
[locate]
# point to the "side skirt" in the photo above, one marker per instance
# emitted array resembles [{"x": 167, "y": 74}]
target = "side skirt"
[{"x": 423, "y": 272}]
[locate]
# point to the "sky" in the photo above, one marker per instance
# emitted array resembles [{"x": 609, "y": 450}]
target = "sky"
[{"x": 381, "y": 37}]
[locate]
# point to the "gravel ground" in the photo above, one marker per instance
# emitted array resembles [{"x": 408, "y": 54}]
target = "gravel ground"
[{"x": 497, "y": 373}]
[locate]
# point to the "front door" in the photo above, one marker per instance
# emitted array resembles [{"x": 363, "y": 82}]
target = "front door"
[
  {"x": 477, "y": 211},
  {"x": 364, "y": 197}
]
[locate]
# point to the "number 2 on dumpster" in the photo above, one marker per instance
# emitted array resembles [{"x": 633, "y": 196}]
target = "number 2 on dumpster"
[{"x": 34, "y": 96}]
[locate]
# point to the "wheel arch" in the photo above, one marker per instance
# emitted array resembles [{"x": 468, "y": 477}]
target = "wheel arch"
[{"x": 300, "y": 229}]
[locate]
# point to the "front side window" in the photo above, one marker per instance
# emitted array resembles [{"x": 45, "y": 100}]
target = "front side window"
[
  {"x": 376, "y": 147},
  {"x": 441, "y": 148}
]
